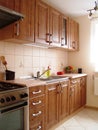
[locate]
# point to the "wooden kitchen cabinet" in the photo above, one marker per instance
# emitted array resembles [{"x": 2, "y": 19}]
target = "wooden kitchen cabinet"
[
  {"x": 74, "y": 95},
  {"x": 55, "y": 27},
  {"x": 57, "y": 105},
  {"x": 83, "y": 90},
  {"x": 37, "y": 101},
  {"x": 73, "y": 35},
  {"x": 8, "y": 3},
  {"x": 64, "y": 100},
  {"x": 52, "y": 104},
  {"x": 22, "y": 30},
  {"x": 64, "y": 31},
  {"x": 47, "y": 25}
]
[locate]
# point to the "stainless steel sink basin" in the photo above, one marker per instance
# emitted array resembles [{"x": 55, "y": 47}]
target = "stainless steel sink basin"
[{"x": 54, "y": 78}]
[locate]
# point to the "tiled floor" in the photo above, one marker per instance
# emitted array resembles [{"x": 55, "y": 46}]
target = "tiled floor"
[{"x": 87, "y": 119}]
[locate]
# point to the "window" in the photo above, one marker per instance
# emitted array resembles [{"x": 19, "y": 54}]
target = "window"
[{"x": 94, "y": 43}]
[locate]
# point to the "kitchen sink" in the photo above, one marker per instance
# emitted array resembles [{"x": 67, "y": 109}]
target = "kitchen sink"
[{"x": 54, "y": 78}]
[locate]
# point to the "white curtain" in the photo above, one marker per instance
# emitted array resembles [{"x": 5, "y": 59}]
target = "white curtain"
[{"x": 94, "y": 43}]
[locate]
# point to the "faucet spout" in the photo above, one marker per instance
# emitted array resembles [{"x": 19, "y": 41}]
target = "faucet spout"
[{"x": 39, "y": 75}]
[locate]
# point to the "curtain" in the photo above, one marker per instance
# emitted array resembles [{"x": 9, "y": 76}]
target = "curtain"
[{"x": 94, "y": 43}]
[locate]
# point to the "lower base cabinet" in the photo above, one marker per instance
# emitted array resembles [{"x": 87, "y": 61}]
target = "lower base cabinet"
[
  {"x": 37, "y": 101},
  {"x": 49, "y": 104},
  {"x": 57, "y": 106}
]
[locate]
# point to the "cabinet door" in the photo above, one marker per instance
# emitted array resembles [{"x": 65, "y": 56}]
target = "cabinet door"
[
  {"x": 8, "y": 3},
  {"x": 64, "y": 100},
  {"x": 74, "y": 95},
  {"x": 73, "y": 39},
  {"x": 7, "y": 31},
  {"x": 24, "y": 27},
  {"x": 71, "y": 34},
  {"x": 83, "y": 91},
  {"x": 76, "y": 35},
  {"x": 64, "y": 32},
  {"x": 55, "y": 28},
  {"x": 42, "y": 23},
  {"x": 52, "y": 105}
]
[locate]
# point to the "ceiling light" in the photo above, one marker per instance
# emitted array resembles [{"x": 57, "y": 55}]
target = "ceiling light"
[{"x": 93, "y": 13}]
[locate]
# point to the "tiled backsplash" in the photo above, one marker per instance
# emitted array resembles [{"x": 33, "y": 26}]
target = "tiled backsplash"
[{"x": 27, "y": 60}]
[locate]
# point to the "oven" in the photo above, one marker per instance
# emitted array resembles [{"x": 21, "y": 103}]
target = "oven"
[{"x": 14, "y": 109}]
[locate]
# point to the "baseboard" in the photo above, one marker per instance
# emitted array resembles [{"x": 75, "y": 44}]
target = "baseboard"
[{"x": 91, "y": 107}]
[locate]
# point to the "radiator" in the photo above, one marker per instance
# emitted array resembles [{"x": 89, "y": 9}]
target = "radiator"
[{"x": 95, "y": 85}]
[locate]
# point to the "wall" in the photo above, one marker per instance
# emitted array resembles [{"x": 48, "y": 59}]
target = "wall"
[
  {"x": 81, "y": 59},
  {"x": 27, "y": 60}
]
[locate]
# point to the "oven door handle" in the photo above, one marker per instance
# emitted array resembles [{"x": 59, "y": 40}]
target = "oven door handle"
[{"x": 13, "y": 107}]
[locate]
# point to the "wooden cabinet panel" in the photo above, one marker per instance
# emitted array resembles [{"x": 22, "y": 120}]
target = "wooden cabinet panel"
[
  {"x": 52, "y": 104},
  {"x": 37, "y": 102},
  {"x": 42, "y": 22},
  {"x": 75, "y": 100},
  {"x": 36, "y": 91},
  {"x": 22, "y": 30},
  {"x": 64, "y": 31},
  {"x": 57, "y": 105},
  {"x": 55, "y": 28},
  {"x": 83, "y": 90},
  {"x": 37, "y": 126},
  {"x": 64, "y": 100},
  {"x": 8, "y": 3},
  {"x": 73, "y": 38},
  {"x": 37, "y": 107}
]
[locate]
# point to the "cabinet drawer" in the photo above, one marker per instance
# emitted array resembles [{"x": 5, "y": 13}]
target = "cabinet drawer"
[
  {"x": 36, "y": 91},
  {"x": 39, "y": 125},
  {"x": 37, "y": 102},
  {"x": 36, "y": 114}
]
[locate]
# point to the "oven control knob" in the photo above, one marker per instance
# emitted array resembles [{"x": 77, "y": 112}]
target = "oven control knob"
[
  {"x": 13, "y": 98},
  {"x": 22, "y": 95},
  {"x": 2, "y": 100},
  {"x": 25, "y": 95},
  {"x": 8, "y": 99}
]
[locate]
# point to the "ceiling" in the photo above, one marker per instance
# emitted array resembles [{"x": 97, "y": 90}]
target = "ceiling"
[{"x": 73, "y": 8}]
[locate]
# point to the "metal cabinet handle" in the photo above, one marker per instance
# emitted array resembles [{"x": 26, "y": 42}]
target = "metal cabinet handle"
[
  {"x": 50, "y": 38},
  {"x": 62, "y": 41},
  {"x": 17, "y": 29},
  {"x": 39, "y": 127},
  {"x": 37, "y": 92},
  {"x": 47, "y": 37},
  {"x": 51, "y": 89},
  {"x": 73, "y": 82},
  {"x": 36, "y": 103},
  {"x": 37, "y": 114}
]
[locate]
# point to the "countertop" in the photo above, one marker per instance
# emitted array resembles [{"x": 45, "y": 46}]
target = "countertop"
[{"x": 36, "y": 82}]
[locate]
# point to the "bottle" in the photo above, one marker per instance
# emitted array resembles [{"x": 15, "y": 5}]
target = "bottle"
[{"x": 48, "y": 72}]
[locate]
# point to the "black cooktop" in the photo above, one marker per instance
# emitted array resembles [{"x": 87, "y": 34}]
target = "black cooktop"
[{"x": 5, "y": 86}]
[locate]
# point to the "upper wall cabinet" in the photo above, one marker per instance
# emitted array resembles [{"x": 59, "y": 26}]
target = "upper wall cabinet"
[
  {"x": 47, "y": 24},
  {"x": 22, "y": 29},
  {"x": 8, "y": 3},
  {"x": 64, "y": 31},
  {"x": 73, "y": 35},
  {"x": 42, "y": 23}
]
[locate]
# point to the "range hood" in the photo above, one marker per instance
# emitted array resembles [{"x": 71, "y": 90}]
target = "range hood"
[{"x": 8, "y": 16}]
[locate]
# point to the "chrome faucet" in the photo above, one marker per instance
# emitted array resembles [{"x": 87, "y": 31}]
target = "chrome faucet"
[{"x": 39, "y": 75}]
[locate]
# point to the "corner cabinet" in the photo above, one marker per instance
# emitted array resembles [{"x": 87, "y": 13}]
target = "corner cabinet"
[
  {"x": 73, "y": 35},
  {"x": 57, "y": 106},
  {"x": 22, "y": 30}
]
